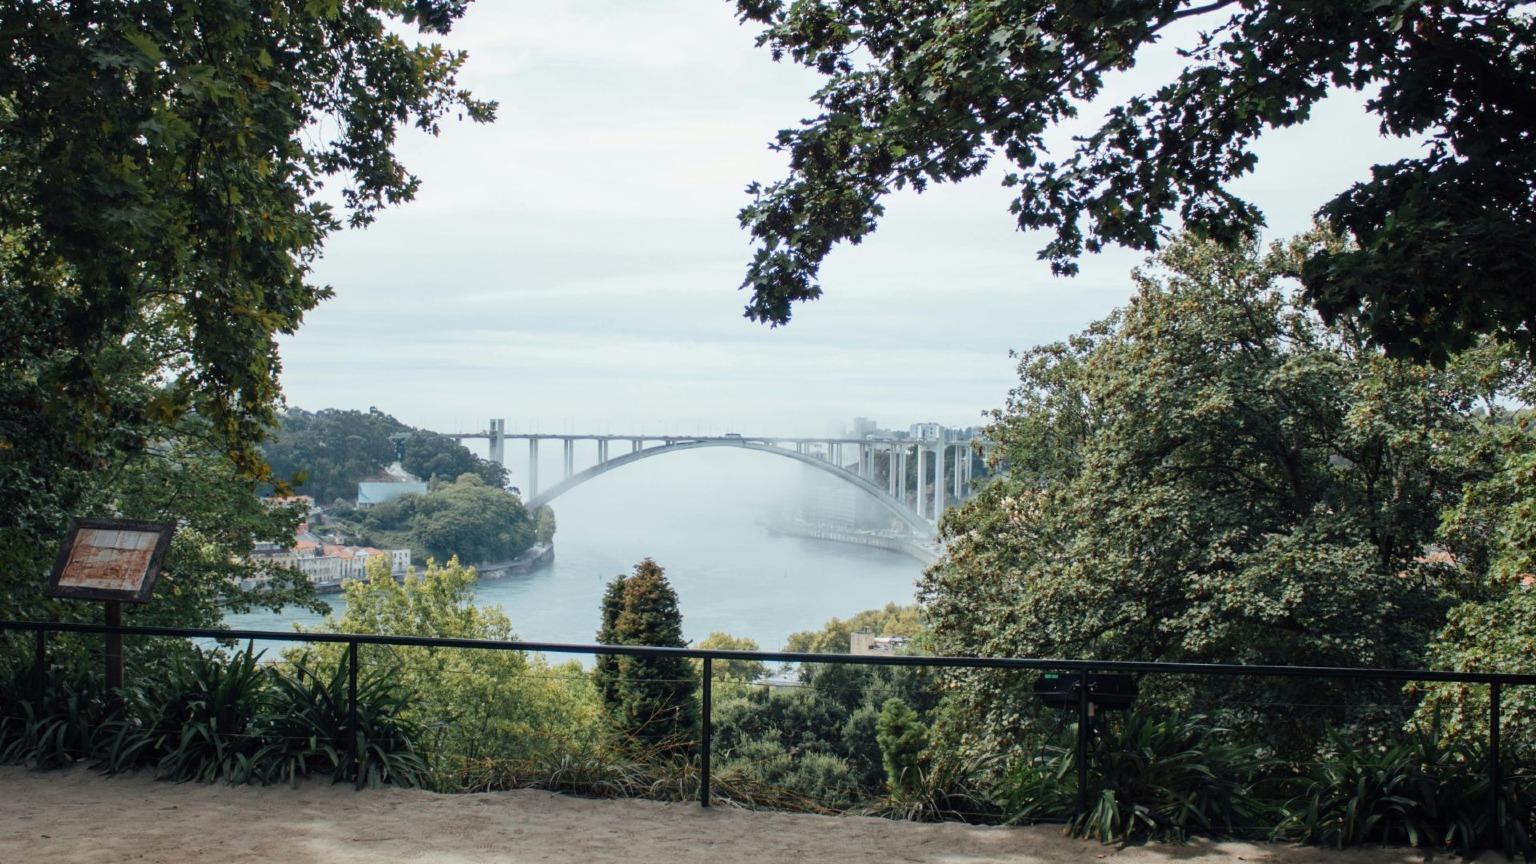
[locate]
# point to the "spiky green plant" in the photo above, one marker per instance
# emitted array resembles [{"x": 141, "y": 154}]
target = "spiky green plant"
[{"x": 306, "y": 728}]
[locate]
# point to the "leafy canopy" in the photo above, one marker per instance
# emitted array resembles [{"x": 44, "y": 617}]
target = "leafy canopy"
[
  {"x": 919, "y": 92},
  {"x": 326, "y": 453},
  {"x": 481, "y": 706},
  {"x": 465, "y": 518},
  {"x": 1209, "y": 475},
  {"x": 168, "y": 174}
]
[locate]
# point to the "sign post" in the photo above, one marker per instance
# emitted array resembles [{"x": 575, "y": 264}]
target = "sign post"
[{"x": 113, "y": 560}]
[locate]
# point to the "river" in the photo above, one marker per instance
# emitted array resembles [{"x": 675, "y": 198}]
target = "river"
[{"x": 696, "y": 513}]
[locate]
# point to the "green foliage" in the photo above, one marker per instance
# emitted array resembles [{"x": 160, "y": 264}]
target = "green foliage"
[
  {"x": 902, "y": 738},
  {"x": 1161, "y": 778},
  {"x": 465, "y": 519},
  {"x": 1208, "y": 475},
  {"x": 53, "y": 731},
  {"x": 1420, "y": 790},
  {"x": 919, "y": 93},
  {"x": 325, "y": 454},
  {"x": 478, "y": 709},
  {"x": 650, "y": 701},
  {"x": 544, "y": 525},
  {"x": 1495, "y": 635},
  {"x": 161, "y": 212},
  {"x": 307, "y": 726},
  {"x": 734, "y": 670},
  {"x": 184, "y": 480},
  {"x": 832, "y": 638},
  {"x": 196, "y": 721}
]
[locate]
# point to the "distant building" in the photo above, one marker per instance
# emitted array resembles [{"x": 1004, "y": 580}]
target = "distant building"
[
  {"x": 868, "y": 643},
  {"x": 328, "y": 565},
  {"x": 395, "y": 482},
  {"x": 927, "y": 431},
  {"x": 863, "y": 427}
]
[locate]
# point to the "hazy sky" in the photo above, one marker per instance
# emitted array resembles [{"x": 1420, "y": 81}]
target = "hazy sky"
[{"x": 573, "y": 267}]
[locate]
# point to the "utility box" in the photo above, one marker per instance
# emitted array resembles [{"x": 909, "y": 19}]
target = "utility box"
[{"x": 1107, "y": 691}]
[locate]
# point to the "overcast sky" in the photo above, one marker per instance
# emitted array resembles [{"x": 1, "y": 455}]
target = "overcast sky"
[{"x": 574, "y": 266}]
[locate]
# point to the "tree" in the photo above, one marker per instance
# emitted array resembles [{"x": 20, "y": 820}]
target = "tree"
[
  {"x": 544, "y": 525},
  {"x": 428, "y": 454},
  {"x": 208, "y": 570},
  {"x": 498, "y": 709},
  {"x": 650, "y": 700},
  {"x": 1209, "y": 475},
  {"x": 832, "y": 638},
  {"x": 902, "y": 738},
  {"x": 1490, "y": 534},
  {"x": 734, "y": 670},
  {"x": 473, "y": 520},
  {"x": 163, "y": 174},
  {"x": 921, "y": 92},
  {"x": 325, "y": 454}
]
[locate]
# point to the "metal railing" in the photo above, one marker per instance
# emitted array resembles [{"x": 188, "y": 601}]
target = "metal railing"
[{"x": 1496, "y": 681}]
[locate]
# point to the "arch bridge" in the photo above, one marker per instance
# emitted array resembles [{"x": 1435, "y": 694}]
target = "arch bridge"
[{"x": 855, "y": 461}]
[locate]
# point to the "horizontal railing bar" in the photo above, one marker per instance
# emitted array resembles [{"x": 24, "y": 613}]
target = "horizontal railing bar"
[{"x": 947, "y": 662}]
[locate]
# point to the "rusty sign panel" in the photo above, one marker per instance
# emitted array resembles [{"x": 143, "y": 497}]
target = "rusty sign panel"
[{"x": 110, "y": 559}]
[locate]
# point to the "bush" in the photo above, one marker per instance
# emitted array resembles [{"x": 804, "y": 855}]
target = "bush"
[
  {"x": 307, "y": 729},
  {"x": 57, "y": 730},
  {"x": 1426, "y": 790},
  {"x": 1149, "y": 778},
  {"x": 194, "y": 723}
]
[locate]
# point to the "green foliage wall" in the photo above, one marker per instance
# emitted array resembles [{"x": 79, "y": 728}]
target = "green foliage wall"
[
  {"x": 159, "y": 217},
  {"x": 325, "y": 454},
  {"x": 1212, "y": 475},
  {"x": 465, "y": 518}
]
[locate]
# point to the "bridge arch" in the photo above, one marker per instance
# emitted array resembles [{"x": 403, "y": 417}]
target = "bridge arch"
[{"x": 918, "y": 524}]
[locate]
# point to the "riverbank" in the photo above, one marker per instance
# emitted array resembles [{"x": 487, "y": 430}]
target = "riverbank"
[
  {"x": 926, "y": 553},
  {"x": 80, "y": 816},
  {"x": 538, "y": 556}
]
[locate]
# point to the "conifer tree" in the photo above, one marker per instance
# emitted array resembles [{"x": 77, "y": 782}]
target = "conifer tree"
[{"x": 649, "y": 700}]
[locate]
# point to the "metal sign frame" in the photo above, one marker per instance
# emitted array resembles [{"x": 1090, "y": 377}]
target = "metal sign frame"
[{"x": 151, "y": 570}]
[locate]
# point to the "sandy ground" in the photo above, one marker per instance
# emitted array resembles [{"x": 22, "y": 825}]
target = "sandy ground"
[{"x": 79, "y": 816}]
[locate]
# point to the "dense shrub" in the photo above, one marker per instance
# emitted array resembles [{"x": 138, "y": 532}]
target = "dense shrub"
[
  {"x": 207, "y": 716},
  {"x": 1148, "y": 778},
  {"x": 1419, "y": 788}
]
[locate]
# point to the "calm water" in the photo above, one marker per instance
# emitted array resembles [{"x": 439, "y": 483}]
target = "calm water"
[{"x": 696, "y": 514}]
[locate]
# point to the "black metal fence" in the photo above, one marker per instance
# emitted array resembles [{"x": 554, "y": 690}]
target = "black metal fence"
[{"x": 1078, "y": 692}]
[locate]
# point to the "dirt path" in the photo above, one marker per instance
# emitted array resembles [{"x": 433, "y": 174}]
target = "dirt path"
[{"x": 79, "y": 816}]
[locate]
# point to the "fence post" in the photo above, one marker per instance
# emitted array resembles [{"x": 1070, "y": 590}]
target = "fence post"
[
  {"x": 352, "y": 707},
  {"x": 39, "y": 666},
  {"x": 1082, "y": 742},
  {"x": 1495, "y": 772},
  {"x": 705, "y": 732}
]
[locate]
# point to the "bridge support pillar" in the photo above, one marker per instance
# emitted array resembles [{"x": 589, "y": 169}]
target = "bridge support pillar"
[
  {"x": 954, "y": 485},
  {"x": 498, "y": 433},
  {"x": 533, "y": 467},
  {"x": 570, "y": 456},
  {"x": 890, "y": 467},
  {"x": 634, "y": 445},
  {"x": 938, "y": 480},
  {"x": 602, "y": 451},
  {"x": 922, "y": 475},
  {"x": 901, "y": 473}
]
